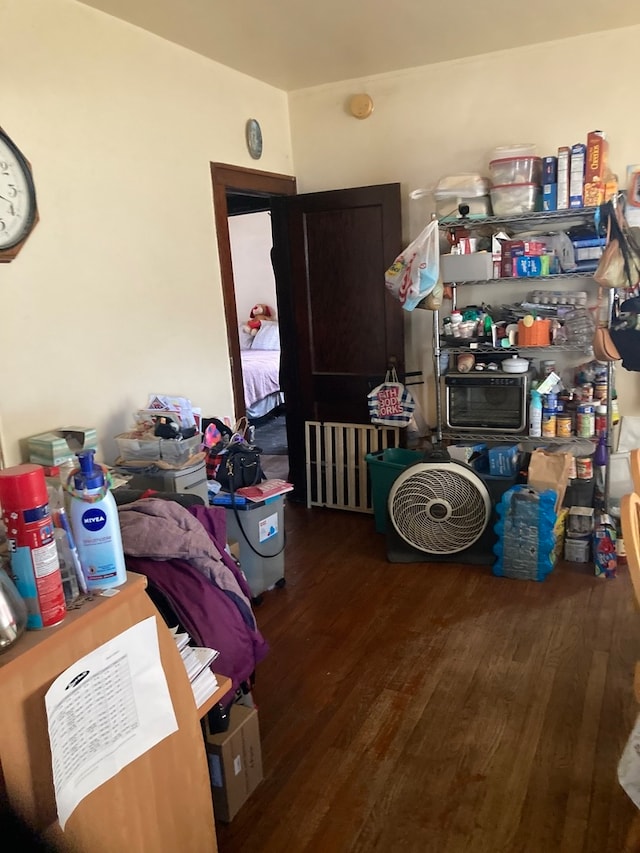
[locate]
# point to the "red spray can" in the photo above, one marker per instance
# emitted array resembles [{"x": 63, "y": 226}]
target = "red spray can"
[{"x": 34, "y": 557}]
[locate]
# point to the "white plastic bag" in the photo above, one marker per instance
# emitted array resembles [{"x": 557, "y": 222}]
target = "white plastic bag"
[{"x": 415, "y": 271}]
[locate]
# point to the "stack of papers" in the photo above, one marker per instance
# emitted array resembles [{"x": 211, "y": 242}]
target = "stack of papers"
[{"x": 197, "y": 662}]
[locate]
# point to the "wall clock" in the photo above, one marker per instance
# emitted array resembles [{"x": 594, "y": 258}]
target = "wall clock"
[
  {"x": 254, "y": 138},
  {"x": 18, "y": 210}
]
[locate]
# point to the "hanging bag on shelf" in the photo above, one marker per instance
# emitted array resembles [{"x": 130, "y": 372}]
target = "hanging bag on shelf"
[
  {"x": 390, "y": 404},
  {"x": 414, "y": 273},
  {"x": 604, "y": 348},
  {"x": 625, "y": 333},
  {"x": 619, "y": 265}
]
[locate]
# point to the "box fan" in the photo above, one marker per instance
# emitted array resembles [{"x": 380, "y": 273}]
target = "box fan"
[{"x": 440, "y": 510}]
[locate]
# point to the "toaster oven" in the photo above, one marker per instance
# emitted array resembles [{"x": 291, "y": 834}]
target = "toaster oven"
[{"x": 487, "y": 401}]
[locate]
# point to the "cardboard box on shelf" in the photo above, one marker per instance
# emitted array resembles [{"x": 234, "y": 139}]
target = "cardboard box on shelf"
[
  {"x": 478, "y": 266},
  {"x": 564, "y": 165},
  {"x": 465, "y": 452},
  {"x": 235, "y": 761},
  {"x": 580, "y": 521},
  {"x": 60, "y": 445},
  {"x": 597, "y": 159}
]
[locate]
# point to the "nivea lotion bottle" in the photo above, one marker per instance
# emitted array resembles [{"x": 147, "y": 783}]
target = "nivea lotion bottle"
[{"x": 96, "y": 527}]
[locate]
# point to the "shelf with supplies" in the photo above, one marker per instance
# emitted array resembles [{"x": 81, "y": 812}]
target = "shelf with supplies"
[
  {"x": 475, "y": 403},
  {"x": 480, "y": 348},
  {"x": 501, "y": 437}
]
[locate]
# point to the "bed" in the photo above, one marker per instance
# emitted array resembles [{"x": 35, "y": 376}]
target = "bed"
[{"x": 261, "y": 370}]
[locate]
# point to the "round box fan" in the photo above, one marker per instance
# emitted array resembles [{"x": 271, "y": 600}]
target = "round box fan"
[{"x": 440, "y": 509}]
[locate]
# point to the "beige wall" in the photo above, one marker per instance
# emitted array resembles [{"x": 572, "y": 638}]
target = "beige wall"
[
  {"x": 117, "y": 293},
  {"x": 253, "y": 279},
  {"x": 440, "y": 120}
]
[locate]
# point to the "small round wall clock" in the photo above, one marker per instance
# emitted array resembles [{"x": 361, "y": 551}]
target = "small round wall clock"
[
  {"x": 18, "y": 210},
  {"x": 254, "y": 138}
]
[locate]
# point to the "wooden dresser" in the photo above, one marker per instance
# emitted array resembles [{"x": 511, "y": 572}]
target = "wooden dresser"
[{"x": 162, "y": 800}]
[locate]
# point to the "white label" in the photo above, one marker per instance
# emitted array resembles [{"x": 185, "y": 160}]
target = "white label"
[
  {"x": 237, "y": 765},
  {"x": 268, "y": 527},
  {"x": 45, "y": 560}
]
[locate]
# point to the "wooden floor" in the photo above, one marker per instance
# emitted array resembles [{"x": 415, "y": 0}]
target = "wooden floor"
[{"x": 423, "y": 707}]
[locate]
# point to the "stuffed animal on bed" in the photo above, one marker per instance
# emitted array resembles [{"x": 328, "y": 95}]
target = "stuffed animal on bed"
[{"x": 258, "y": 313}]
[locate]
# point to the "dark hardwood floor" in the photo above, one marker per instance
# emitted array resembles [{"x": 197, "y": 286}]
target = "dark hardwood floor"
[{"x": 425, "y": 707}]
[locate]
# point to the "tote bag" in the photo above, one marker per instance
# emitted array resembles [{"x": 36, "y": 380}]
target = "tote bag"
[{"x": 390, "y": 404}]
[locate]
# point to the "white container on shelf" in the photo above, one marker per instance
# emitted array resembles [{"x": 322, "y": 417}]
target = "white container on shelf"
[
  {"x": 515, "y": 199},
  {"x": 516, "y": 170}
]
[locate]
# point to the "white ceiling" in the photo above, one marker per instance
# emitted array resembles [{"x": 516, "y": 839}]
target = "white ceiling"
[{"x": 292, "y": 44}]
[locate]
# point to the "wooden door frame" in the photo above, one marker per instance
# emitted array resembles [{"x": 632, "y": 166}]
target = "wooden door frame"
[{"x": 251, "y": 182}]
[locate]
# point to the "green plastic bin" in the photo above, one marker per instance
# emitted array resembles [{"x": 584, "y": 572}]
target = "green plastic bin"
[{"x": 384, "y": 467}]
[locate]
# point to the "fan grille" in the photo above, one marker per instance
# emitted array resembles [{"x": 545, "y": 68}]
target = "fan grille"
[{"x": 441, "y": 509}]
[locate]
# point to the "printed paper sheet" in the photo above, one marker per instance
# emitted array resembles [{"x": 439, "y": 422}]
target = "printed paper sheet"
[{"x": 105, "y": 711}]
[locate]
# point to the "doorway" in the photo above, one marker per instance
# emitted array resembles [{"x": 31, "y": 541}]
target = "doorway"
[
  {"x": 330, "y": 250},
  {"x": 249, "y": 195}
]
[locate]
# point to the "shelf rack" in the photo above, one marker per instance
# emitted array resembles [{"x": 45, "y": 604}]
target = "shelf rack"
[
  {"x": 543, "y": 222},
  {"x": 487, "y": 349},
  {"x": 524, "y": 279},
  {"x": 560, "y": 220}
]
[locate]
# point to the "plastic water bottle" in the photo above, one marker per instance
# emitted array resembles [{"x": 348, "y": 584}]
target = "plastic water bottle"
[
  {"x": 600, "y": 459},
  {"x": 535, "y": 415},
  {"x": 96, "y": 527}
]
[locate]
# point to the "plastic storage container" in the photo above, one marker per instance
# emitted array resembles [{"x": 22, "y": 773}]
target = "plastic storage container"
[
  {"x": 150, "y": 450},
  {"x": 470, "y": 189},
  {"x": 262, "y": 524},
  {"x": 384, "y": 467},
  {"x": 516, "y": 149},
  {"x": 536, "y": 334},
  {"x": 515, "y": 199},
  {"x": 516, "y": 170}
]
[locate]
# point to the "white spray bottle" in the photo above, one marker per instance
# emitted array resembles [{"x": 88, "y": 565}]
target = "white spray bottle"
[{"x": 96, "y": 527}]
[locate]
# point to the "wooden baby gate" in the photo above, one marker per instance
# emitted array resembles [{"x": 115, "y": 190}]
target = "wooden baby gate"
[{"x": 336, "y": 463}]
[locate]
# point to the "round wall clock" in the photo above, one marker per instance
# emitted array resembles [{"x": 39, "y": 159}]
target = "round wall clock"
[
  {"x": 18, "y": 211},
  {"x": 254, "y": 138}
]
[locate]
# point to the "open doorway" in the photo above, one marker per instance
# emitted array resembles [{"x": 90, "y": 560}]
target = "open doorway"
[{"x": 244, "y": 201}]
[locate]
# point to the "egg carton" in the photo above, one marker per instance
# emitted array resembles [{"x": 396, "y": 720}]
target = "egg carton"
[{"x": 558, "y": 297}]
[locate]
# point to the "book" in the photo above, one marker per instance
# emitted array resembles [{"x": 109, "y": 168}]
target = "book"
[
  {"x": 182, "y": 638},
  {"x": 196, "y": 659},
  {"x": 203, "y": 686},
  {"x": 266, "y": 489}
]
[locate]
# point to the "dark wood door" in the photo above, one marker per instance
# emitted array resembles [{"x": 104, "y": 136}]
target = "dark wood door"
[{"x": 339, "y": 326}]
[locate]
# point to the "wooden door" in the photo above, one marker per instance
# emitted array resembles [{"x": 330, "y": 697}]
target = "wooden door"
[{"x": 339, "y": 326}]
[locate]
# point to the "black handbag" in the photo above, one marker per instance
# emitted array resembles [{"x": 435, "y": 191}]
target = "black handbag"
[
  {"x": 240, "y": 466},
  {"x": 625, "y": 333}
]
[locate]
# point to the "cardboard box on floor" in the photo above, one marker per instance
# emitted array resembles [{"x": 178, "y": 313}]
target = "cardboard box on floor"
[
  {"x": 235, "y": 761},
  {"x": 549, "y": 471}
]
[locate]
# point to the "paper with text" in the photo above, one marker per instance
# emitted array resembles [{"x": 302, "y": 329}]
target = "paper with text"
[{"x": 105, "y": 711}]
